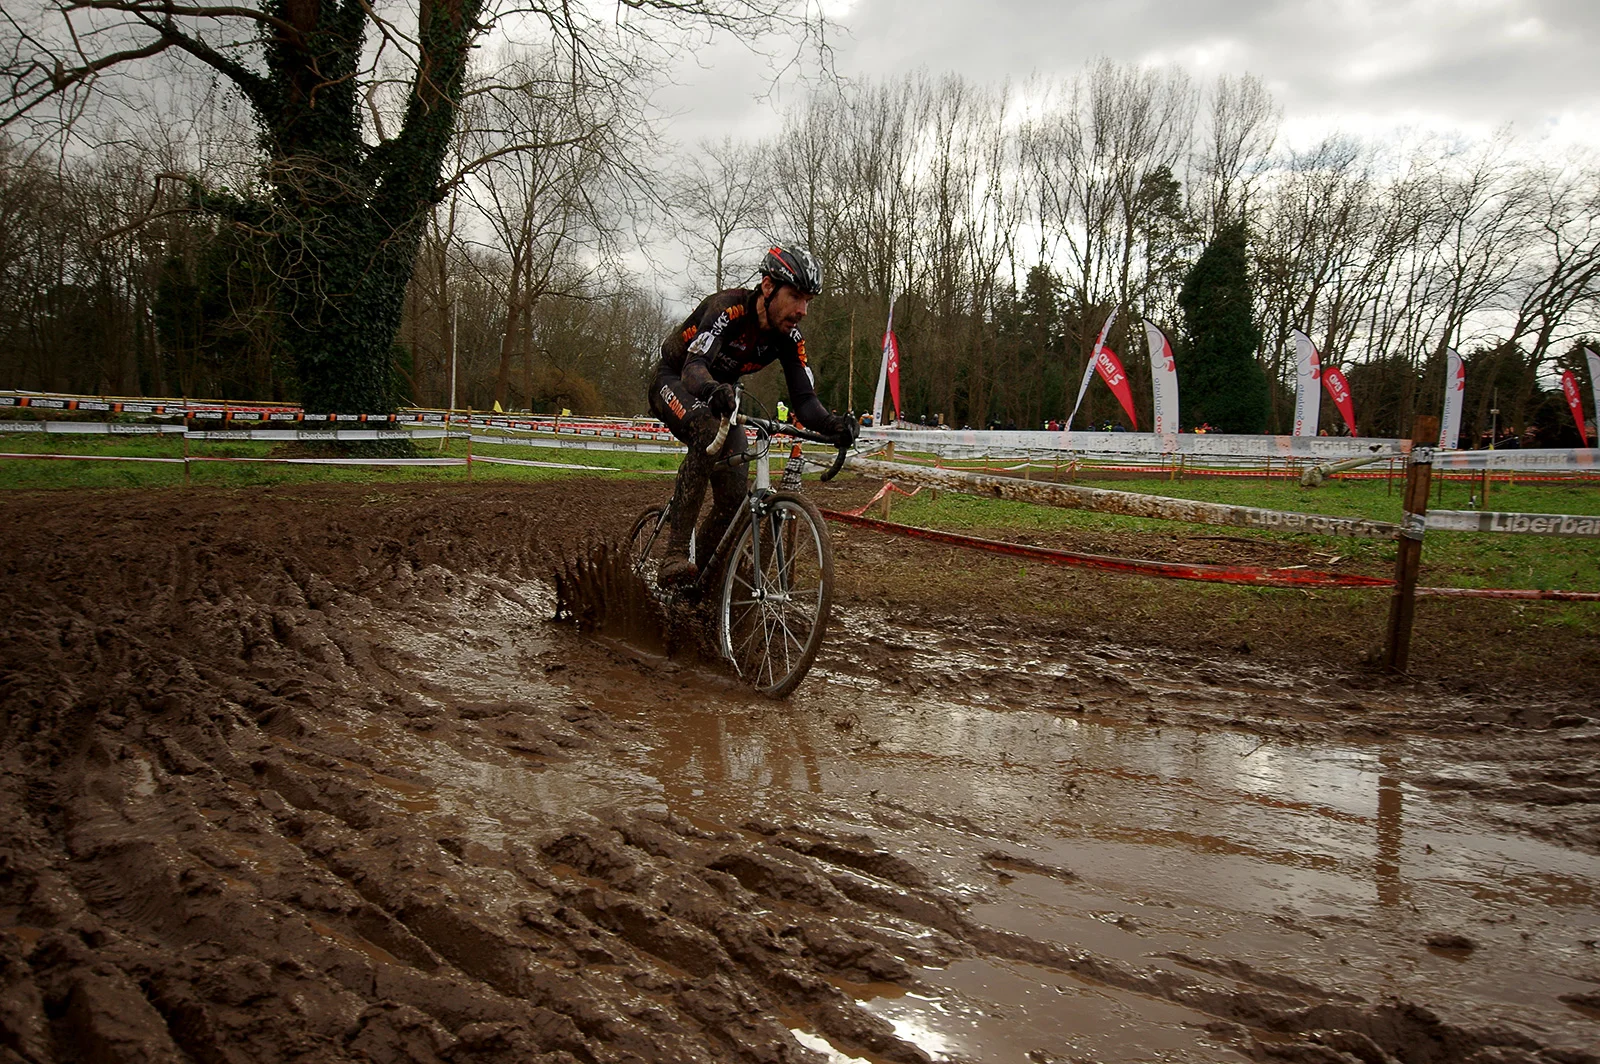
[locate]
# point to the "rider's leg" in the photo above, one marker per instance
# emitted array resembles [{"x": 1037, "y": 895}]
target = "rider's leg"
[
  {"x": 692, "y": 422},
  {"x": 729, "y": 485}
]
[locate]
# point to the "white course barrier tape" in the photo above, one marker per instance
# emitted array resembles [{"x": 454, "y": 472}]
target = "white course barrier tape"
[
  {"x": 583, "y": 443},
  {"x": 543, "y": 465},
  {"x": 1523, "y": 524},
  {"x": 286, "y": 435},
  {"x": 1583, "y": 458},
  {"x": 332, "y": 461},
  {"x": 89, "y": 428},
  {"x": 94, "y": 457},
  {"x": 976, "y": 443}
]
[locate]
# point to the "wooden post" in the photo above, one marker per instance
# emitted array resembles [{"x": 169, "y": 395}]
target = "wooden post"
[
  {"x": 888, "y": 494},
  {"x": 850, "y": 389},
  {"x": 1484, "y": 498},
  {"x": 1408, "y": 555},
  {"x": 1389, "y": 480}
]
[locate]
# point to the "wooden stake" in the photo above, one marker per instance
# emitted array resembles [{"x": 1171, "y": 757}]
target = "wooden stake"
[
  {"x": 850, "y": 390},
  {"x": 1408, "y": 555}
]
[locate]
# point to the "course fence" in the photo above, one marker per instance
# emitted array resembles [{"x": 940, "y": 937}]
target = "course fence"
[
  {"x": 951, "y": 454},
  {"x": 1416, "y": 521}
]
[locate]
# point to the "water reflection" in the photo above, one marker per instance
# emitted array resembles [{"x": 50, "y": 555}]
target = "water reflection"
[
  {"x": 1392, "y": 888},
  {"x": 706, "y": 750}
]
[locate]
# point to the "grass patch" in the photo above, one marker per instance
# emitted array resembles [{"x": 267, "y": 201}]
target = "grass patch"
[
  {"x": 1450, "y": 559},
  {"x": 46, "y": 474}
]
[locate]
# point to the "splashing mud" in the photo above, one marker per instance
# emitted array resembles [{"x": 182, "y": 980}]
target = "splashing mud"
[{"x": 308, "y": 775}]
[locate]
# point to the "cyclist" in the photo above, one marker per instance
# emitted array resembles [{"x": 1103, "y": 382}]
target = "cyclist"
[{"x": 730, "y": 334}]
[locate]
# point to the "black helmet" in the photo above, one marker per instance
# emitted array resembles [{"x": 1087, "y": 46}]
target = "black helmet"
[{"x": 793, "y": 265}]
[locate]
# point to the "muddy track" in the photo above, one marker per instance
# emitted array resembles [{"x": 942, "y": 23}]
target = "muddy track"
[{"x": 308, "y": 775}]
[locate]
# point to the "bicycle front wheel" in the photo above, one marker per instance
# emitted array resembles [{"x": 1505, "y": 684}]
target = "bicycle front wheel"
[
  {"x": 648, "y": 540},
  {"x": 777, "y": 592}
]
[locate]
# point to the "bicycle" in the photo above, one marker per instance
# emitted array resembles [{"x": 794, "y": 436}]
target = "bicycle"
[{"x": 772, "y": 568}]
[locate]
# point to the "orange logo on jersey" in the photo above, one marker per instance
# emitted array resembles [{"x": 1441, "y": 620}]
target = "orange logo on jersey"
[
  {"x": 800, "y": 349},
  {"x": 672, "y": 401},
  {"x": 688, "y": 334}
]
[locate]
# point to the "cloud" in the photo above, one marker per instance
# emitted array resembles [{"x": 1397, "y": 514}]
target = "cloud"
[{"x": 1460, "y": 65}]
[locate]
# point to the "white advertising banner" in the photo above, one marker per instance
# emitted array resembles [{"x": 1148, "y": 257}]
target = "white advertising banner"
[
  {"x": 1594, "y": 380},
  {"x": 1163, "y": 381},
  {"x": 1308, "y": 385},
  {"x": 1455, "y": 387}
]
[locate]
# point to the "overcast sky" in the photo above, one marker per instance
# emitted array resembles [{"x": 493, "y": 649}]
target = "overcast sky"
[{"x": 1358, "y": 66}]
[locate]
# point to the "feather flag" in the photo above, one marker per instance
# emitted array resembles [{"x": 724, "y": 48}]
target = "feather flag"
[
  {"x": 1455, "y": 388},
  {"x": 891, "y": 356},
  {"x": 1594, "y": 379},
  {"x": 1569, "y": 386},
  {"x": 883, "y": 369},
  {"x": 1094, "y": 363},
  {"x": 1339, "y": 389},
  {"x": 1109, "y": 366},
  {"x": 1307, "y": 402},
  {"x": 1163, "y": 381}
]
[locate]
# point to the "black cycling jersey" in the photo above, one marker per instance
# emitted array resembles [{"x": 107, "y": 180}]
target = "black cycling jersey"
[{"x": 722, "y": 340}]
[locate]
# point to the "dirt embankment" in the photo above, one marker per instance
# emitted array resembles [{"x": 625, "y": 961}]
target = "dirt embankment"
[{"x": 251, "y": 808}]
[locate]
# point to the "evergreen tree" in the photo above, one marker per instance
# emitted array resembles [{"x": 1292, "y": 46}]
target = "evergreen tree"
[{"x": 1222, "y": 383}]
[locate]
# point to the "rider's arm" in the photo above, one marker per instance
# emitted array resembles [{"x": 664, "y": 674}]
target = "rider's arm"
[
  {"x": 802, "y": 392},
  {"x": 719, "y": 315}
]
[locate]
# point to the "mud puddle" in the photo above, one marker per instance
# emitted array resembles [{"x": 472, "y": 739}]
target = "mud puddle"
[
  {"x": 311, "y": 776},
  {"x": 1146, "y": 837}
]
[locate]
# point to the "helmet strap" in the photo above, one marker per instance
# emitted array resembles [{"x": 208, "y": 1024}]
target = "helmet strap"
[{"x": 764, "y": 301}]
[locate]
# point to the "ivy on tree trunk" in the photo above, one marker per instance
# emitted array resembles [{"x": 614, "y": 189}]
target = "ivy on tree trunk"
[{"x": 343, "y": 219}]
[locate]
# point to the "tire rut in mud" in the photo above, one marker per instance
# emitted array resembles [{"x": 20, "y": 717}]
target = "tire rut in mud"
[{"x": 213, "y": 849}]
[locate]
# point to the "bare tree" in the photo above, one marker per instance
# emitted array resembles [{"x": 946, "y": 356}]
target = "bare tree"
[
  {"x": 355, "y": 107},
  {"x": 722, "y": 200},
  {"x": 1235, "y": 152}
]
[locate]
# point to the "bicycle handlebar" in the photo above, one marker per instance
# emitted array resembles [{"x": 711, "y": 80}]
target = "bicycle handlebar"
[
  {"x": 779, "y": 428},
  {"x": 776, "y": 428}
]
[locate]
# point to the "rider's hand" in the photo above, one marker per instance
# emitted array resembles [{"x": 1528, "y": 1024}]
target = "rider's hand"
[
  {"x": 844, "y": 430},
  {"x": 721, "y": 399}
]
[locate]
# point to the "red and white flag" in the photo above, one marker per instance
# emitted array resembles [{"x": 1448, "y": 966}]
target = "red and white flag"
[
  {"x": 891, "y": 358},
  {"x": 1307, "y": 400},
  {"x": 1094, "y": 364},
  {"x": 1569, "y": 386},
  {"x": 1109, "y": 366},
  {"x": 1339, "y": 389},
  {"x": 1455, "y": 388},
  {"x": 889, "y": 347},
  {"x": 1163, "y": 381}
]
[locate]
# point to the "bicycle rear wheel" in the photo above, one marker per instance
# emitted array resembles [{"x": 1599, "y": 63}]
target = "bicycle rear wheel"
[{"x": 777, "y": 592}]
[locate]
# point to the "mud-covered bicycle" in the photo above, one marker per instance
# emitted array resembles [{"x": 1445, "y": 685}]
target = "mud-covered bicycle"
[{"x": 772, "y": 570}]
